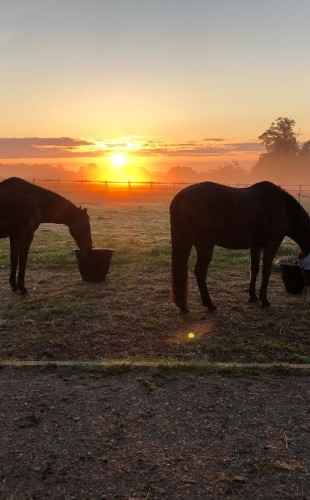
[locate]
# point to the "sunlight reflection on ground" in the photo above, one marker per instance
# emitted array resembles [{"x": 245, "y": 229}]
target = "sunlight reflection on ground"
[{"x": 200, "y": 329}]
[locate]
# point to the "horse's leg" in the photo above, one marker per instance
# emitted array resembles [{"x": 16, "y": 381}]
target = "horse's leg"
[
  {"x": 14, "y": 262},
  {"x": 179, "y": 273},
  {"x": 255, "y": 256},
  {"x": 23, "y": 251},
  {"x": 269, "y": 252},
  {"x": 204, "y": 257}
]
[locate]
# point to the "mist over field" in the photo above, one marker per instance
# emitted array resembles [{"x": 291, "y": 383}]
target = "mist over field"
[{"x": 283, "y": 170}]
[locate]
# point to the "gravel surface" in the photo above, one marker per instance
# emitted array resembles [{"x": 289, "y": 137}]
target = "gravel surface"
[{"x": 138, "y": 435}]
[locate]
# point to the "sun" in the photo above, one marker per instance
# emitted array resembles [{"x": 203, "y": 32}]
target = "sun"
[{"x": 118, "y": 159}]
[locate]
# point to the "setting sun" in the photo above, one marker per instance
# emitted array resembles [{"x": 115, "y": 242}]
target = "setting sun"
[{"x": 118, "y": 159}]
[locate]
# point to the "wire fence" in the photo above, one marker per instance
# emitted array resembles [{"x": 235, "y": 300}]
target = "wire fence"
[{"x": 98, "y": 191}]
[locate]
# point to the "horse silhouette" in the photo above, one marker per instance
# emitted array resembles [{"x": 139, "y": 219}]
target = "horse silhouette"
[
  {"x": 23, "y": 207},
  {"x": 257, "y": 217}
]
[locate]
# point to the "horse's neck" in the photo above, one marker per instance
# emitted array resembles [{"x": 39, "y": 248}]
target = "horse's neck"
[
  {"x": 303, "y": 241},
  {"x": 300, "y": 229},
  {"x": 56, "y": 209}
]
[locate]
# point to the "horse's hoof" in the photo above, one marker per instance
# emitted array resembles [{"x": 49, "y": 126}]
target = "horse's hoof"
[
  {"x": 14, "y": 289},
  {"x": 212, "y": 308},
  {"x": 253, "y": 299},
  {"x": 184, "y": 311},
  {"x": 23, "y": 291},
  {"x": 265, "y": 304}
]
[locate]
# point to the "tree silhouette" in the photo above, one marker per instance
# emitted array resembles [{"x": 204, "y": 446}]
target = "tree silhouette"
[
  {"x": 305, "y": 149},
  {"x": 285, "y": 160},
  {"x": 280, "y": 137}
]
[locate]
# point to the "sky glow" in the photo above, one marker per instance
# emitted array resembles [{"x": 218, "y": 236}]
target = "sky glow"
[{"x": 172, "y": 81}]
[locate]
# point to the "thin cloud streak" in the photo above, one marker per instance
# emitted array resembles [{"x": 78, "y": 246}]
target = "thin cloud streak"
[{"x": 214, "y": 139}]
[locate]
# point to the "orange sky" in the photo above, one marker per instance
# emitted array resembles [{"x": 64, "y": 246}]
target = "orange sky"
[{"x": 167, "y": 83}]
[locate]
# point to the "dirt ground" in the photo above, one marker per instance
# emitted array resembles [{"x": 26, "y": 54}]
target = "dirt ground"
[{"x": 142, "y": 435}]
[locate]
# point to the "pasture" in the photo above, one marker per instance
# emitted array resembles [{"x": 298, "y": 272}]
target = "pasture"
[{"x": 131, "y": 315}]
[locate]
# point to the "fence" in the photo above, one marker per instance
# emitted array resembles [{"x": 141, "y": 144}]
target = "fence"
[{"x": 96, "y": 191}]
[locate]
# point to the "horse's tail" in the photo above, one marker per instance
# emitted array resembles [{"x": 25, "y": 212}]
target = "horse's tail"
[{"x": 181, "y": 248}]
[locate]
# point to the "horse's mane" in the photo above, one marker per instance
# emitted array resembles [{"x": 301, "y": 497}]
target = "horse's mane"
[
  {"x": 294, "y": 205},
  {"x": 295, "y": 209},
  {"x": 51, "y": 194}
]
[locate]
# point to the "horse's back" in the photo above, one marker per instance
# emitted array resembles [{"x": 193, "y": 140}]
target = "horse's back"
[
  {"x": 210, "y": 195},
  {"x": 19, "y": 208},
  {"x": 228, "y": 216},
  {"x": 16, "y": 192},
  {"x": 15, "y": 185},
  {"x": 207, "y": 197}
]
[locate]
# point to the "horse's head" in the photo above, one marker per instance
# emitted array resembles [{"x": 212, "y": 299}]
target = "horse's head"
[{"x": 80, "y": 230}]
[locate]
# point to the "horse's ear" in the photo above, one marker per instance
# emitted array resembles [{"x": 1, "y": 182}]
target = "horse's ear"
[{"x": 85, "y": 211}]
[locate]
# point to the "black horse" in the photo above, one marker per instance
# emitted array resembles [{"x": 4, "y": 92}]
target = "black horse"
[
  {"x": 23, "y": 207},
  {"x": 257, "y": 217}
]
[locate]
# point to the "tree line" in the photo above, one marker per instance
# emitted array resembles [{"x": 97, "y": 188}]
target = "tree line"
[{"x": 286, "y": 160}]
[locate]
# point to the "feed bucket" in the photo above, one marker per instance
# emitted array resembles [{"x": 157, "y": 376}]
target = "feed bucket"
[
  {"x": 95, "y": 266},
  {"x": 292, "y": 276},
  {"x": 306, "y": 273}
]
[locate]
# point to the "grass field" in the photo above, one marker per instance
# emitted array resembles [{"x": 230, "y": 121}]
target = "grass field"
[{"x": 130, "y": 315}]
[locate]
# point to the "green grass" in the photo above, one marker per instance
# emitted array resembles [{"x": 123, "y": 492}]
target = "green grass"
[{"x": 43, "y": 310}]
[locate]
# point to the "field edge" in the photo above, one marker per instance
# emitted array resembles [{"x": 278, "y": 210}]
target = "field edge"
[{"x": 162, "y": 367}]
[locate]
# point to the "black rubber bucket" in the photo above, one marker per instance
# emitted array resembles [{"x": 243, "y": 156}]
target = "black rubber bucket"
[
  {"x": 293, "y": 277},
  {"x": 94, "y": 268},
  {"x": 306, "y": 273}
]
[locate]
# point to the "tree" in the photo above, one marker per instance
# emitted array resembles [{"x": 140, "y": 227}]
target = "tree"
[
  {"x": 280, "y": 137},
  {"x": 305, "y": 149}
]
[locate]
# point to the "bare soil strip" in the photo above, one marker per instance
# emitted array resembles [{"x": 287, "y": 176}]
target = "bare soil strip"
[{"x": 144, "y": 435}]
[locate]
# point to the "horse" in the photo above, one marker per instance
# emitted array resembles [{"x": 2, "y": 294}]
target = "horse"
[
  {"x": 23, "y": 207},
  {"x": 257, "y": 217}
]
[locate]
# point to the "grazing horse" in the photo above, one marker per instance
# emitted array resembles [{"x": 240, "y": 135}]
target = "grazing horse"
[
  {"x": 257, "y": 217},
  {"x": 23, "y": 207}
]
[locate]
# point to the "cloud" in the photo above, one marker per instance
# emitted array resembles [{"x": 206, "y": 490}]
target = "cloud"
[
  {"x": 192, "y": 149},
  {"x": 66, "y": 147},
  {"x": 38, "y": 147},
  {"x": 247, "y": 146},
  {"x": 214, "y": 139}
]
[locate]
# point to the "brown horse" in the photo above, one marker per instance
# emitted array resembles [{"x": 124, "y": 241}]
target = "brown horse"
[
  {"x": 23, "y": 207},
  {"x": 257, "y": 217}
]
